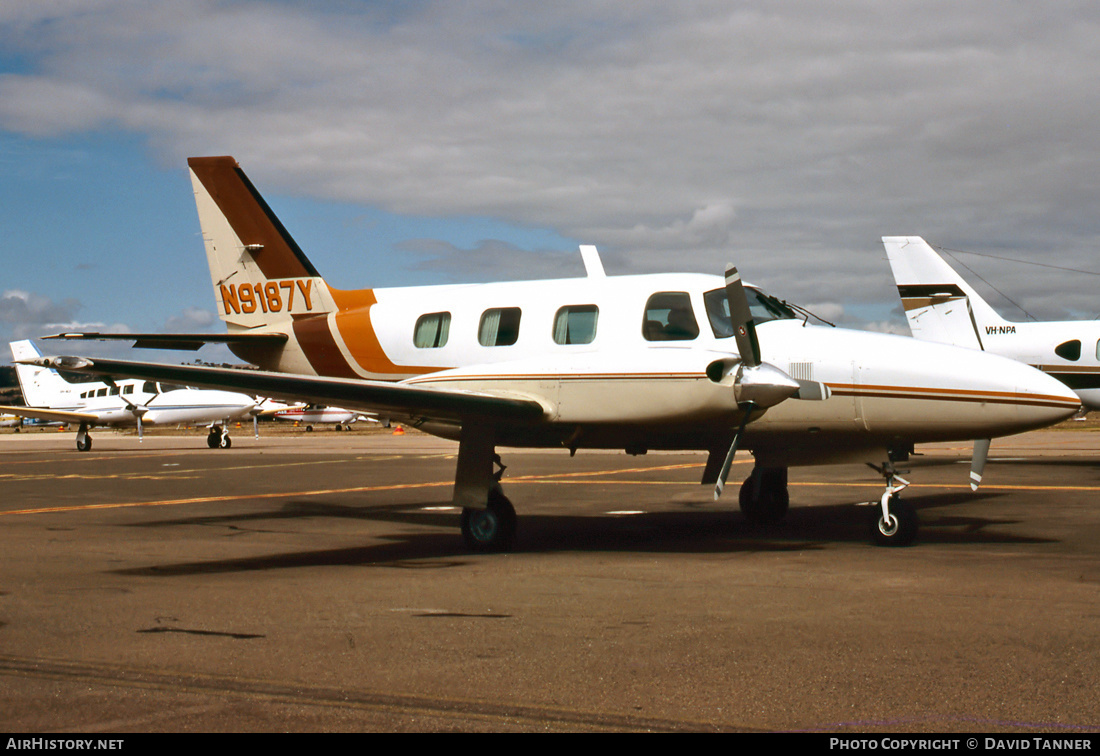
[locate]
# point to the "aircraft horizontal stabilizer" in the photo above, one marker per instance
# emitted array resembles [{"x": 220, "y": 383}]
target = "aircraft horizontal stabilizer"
[
  {"x": 182, "y": 341},
  {"x": 41, "y": 413}
]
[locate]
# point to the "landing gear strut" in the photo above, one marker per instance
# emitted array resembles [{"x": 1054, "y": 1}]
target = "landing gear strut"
[
  {"x": 488, "y": 518},
  {"x": 494, "y": 527},
  {"x": 893, "y": 522}
]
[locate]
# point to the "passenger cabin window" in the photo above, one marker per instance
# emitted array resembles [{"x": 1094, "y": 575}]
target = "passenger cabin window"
[
  {"x": 1070, "y": 350},
  {"x": 669, "y": 317},
  {"x": 763, "y": 308},
  {"x": 432, "y": 330},
  {"x": 499, "y": 327},
  {"x": 576, "y": 324},
  {"x": 149, "y": 388}
]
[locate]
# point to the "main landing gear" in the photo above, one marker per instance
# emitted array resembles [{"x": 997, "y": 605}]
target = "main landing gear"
[
  {"x": 494, "y": 527},
  {"x": 218, "y": 438},
  {"x": 488, "y": 518}
]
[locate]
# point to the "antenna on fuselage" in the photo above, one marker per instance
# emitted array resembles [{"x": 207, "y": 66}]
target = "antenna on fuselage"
[{"x": 592, "y": 263}]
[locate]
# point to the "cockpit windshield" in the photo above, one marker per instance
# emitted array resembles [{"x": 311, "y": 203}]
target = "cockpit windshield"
[{"x": 763, "y": 307}]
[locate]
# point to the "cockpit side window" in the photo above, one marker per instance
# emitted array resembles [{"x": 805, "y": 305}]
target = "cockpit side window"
[
  {"x": 763, "y": 307},
  {"x": 669, "y": 317}
]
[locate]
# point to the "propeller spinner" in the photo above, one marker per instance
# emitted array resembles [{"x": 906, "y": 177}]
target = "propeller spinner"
[{"x": 137, "y": 410}]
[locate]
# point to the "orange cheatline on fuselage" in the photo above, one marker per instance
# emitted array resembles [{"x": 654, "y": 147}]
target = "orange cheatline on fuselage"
[{"x": 319, "y": 337}]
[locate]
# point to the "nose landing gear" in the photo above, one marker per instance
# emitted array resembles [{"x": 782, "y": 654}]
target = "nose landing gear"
[
  {"x": 218, "y": 438},
  {"x": 893, "y": 522}
]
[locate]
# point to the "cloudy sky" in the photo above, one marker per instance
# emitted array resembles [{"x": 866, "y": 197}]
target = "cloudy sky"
[{"x": 430, "y": 142}]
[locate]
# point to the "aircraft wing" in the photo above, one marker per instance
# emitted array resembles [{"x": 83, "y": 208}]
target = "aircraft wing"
[
  {"x": 380, "y": 397},
  {"x": 41, "y": 413},
  {"x": 183, "y": 341}
]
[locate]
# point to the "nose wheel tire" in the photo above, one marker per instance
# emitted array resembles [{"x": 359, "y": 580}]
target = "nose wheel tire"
[
  {"x": 899, "y": 528},
  {"x": 492, "y": 528},
  {"x": 217, "y": 439}
]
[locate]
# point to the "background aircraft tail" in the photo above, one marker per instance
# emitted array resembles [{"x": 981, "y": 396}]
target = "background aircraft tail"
[
  {"x": 42, "y": 387},
  {"x": 260, "y": 275},
  {"x": 939, "y": 304}
]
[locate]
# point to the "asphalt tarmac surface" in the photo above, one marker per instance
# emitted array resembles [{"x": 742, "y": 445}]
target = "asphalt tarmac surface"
[{"x": 318, "y": 582}]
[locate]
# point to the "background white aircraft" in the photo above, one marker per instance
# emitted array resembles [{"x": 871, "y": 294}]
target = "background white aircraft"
[
  {"x": 664, "y": 361},
  {"x": 941, "y": 306},
  {"x": 121, "y": 403},
  {"x": 316, "y": 414}
]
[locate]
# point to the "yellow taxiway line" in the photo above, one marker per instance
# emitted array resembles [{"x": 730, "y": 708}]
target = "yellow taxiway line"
[{"x": 589, "y": 478}]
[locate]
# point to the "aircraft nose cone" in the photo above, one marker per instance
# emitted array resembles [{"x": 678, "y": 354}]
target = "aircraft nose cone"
[
  {"x": 954, "y": 393},
  {"x": 1045, "y": 400}
]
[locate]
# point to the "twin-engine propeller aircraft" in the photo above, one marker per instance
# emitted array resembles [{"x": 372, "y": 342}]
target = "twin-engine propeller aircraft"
[
  {"x": 316, "y": 414},
  {"x": 942, "y": 307},
  {"x": 670, "y": 361},
  {"x": 121, "y": 404}
]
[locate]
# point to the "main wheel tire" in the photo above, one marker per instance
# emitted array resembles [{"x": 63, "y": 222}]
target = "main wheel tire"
[
  {"x": 213, "y": 440},
  {"x": 772, "y": 501},
  {"x": 84, "y": 444},
  {"x": 225, "y": 442},
  {"x": 492, "y": 528},
  {"x": 900, "y": 530}
]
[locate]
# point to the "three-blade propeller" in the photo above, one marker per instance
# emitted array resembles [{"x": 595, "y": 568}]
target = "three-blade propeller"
[
  {"x": 757, "y": 385},
  {"x": 137, "y": 410}
]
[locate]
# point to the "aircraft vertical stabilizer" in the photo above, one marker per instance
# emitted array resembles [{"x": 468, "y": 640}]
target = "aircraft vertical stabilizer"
[
  {"x": 260, "y": 274},
  {"x": 939, "y": 305},
  {"x": 41, "y": 387}
]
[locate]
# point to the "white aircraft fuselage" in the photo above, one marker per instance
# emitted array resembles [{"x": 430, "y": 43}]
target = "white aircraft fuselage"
[
  {"x": 624, "y": 390},
  {"x": 313, "y": 414}
]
